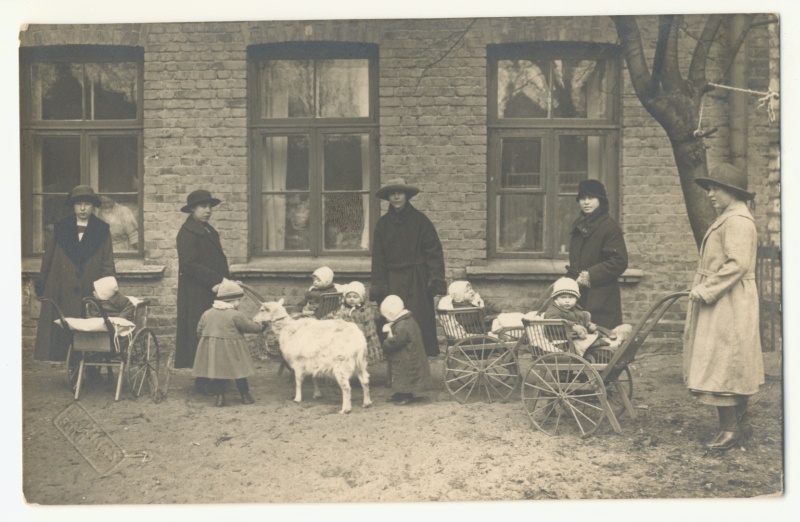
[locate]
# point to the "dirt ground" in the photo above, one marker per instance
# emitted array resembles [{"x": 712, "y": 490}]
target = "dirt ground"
[{"x": 185, "y": 450}]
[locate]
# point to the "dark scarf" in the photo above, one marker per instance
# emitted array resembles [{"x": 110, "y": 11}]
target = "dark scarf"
[
  {"x": 587, "y": 223},
  {"x": 399, "y": 216},
  {"x": 66, "y": 235}
]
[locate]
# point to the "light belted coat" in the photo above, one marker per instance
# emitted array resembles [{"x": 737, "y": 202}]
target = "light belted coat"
[{"x": 721, "y": 344}]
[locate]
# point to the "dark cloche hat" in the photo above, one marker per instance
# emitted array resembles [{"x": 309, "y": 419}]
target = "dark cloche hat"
[
  {"x": 83, "y": 193},
  {"x": 395, "y": 185},
  {"x": 729, "y": 177},
  {"x": 591, "y": 188},
  {"x": 197, "y": 197}
]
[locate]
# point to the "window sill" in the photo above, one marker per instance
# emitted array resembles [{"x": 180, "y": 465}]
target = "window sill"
[
  {"x": 126, "y": 268},
  {"x": 534, "y": 270},
  {"x": 301, "y": 267}
]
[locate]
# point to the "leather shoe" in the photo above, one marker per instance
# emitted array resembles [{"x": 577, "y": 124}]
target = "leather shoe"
[
  {"x": 219, "y": 401},
  {"x": 725, "y": 440},
  {"x": 247, "y": 398}
]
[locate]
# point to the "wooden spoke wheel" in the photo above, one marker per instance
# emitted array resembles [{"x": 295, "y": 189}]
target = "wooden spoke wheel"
[
  {"x": 625, "y": 381},
  {"x": 142, "y": 364},
  {"x": 563, "y": 392},
  {"x": 481, "y": 367}
]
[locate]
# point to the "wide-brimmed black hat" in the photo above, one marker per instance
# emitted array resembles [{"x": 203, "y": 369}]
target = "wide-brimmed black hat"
[
  {"x": 728, "y": 177},
  {"x": 197, "y": 197},
  {"x": 83, "y": 193},
  {"x": 396, "y": 185},
  {"x": 591, "y": 188}
]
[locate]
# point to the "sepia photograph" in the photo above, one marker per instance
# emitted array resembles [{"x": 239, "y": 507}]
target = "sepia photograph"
[{"x": 457, "y": 260}]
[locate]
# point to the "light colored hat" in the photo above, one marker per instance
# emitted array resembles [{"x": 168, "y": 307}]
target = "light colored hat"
[
  {"x": 325, "y": 275},
  {"x": 457, "y": 290},
  {"x": 197, "y": 197},
  {"x": 729, "y": 177},
  {"x": 395, "y": 185},
  {"x": 392, "y": 307},
  {"x": 106, "y": 287},
  {"x": 566, "y": 285},
  {"x": 228, "y": 290},
  {"x": 356, "y": 287},
  {"x": 83, "y": 193}
]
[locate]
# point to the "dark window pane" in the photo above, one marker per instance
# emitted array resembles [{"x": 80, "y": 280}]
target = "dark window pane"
[
  {"x": 580, "y": 157},
  {"x": 111, "y": 93},
  {"x": 346, "y": 161},
  {"x": 58, "y": 91},
  {"x": 47, "y": 210},
  {"x": 523, "y": 89},
  {"x": 288, "y": 87},
  {"x": 522, "y": 163},
  {"x": 345, "y": 218},
  {"x": 286, "y": 163},
  {"x": 343, "y": 88},
  {"x": 520, "y": 223},
  {"x": 59, "y": 164},
  {"x": 285, "y": 222},
  {"x": 114, "y": 163},
  {"x": 122, "y": 215},
  {"x": 567, "y": 212},
  {"x": 579, "y": 89}
]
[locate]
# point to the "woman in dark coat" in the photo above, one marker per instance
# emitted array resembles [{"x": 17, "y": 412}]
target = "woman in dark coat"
[
  {"x": 407, "y": 259},
  {"x": 597, "y": 255},
  {"x": 79, "y": 254},
  {"x": 201, "y": 266}
]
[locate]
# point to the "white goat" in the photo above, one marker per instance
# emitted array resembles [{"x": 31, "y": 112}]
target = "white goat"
[{"x": 330, "y": 347}]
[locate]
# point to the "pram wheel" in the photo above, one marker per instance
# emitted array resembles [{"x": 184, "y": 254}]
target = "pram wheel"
[
  {"x": 625, "y": 383},
  {"x": 142, "y": 365},
  {"x": 481, "y": 366},
  {"x": 73, "y": 365},
  {"x": 562, "y": 391}
]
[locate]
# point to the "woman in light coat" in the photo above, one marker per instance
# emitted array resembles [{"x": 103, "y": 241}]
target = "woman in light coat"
[{"x": 723, "y": 365}]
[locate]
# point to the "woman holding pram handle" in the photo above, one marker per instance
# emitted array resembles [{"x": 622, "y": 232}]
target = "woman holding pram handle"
[
  {"x": 597, "y": 255},
  {"x": 723, "y": 364}
]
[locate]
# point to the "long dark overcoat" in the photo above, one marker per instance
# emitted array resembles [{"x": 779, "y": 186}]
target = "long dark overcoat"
[
  {"x": 201, "y": 265},
  {"x": 69, "y": 267},
  {"x": 407, "y": 261},
  {"x": 722, "y": 341},
  {"x": 407, "y": 359},
  {"x": 597, "y": 246}
]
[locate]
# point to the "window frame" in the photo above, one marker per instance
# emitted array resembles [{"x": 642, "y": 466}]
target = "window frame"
[
  {"x": 32, "y": 130},
  {"x": 315, "y": 128},
  {"x": 549, "y": 130}
]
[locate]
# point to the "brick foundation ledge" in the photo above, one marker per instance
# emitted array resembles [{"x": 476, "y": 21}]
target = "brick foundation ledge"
[
  {"x": 533, "y": 270},
  {"x": 126, "y": 269}
]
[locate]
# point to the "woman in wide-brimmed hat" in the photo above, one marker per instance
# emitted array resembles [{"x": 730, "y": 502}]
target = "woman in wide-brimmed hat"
[
  {"x": 79, "y": 253},
  {"x": 723, "y": 364},
  {"x": 202, "y": 265},
  {"x": 407, "y": 259}
]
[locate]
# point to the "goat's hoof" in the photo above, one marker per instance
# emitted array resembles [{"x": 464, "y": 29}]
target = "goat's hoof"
[{"x": 367, "y": 404}]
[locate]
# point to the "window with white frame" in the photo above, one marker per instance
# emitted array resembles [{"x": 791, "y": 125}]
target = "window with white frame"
[
  {"x": 81, "y": 124},
  {"x": 553, "y": 114},
  {"x": 314, "y": 142}
]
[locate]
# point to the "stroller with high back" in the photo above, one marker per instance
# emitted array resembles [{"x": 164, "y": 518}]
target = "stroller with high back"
[
  {"x": 564, "y": 391},
  {"x": 111, "y": 342}
]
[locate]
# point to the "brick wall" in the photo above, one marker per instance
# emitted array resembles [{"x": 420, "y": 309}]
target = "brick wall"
[{"x": 432, "y": 107}]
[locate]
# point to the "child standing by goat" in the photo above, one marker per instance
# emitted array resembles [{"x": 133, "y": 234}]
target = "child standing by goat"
[
  {"x": 222, "y": 352},
  {"x": 405, "y": 352}
]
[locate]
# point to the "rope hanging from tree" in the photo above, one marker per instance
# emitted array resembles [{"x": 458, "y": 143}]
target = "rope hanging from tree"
[{"x": 767, "y": 99}]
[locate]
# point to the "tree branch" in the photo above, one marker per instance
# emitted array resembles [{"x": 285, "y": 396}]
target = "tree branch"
[
  {"x": 697, "y": 68},
  {"x": 672, "y": 73},
  {"x": 631, "y": 40},
  {"x": 664, "y": 29}
]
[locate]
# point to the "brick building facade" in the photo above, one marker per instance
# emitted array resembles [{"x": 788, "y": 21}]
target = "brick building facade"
[{"x": 205, "y": 118}]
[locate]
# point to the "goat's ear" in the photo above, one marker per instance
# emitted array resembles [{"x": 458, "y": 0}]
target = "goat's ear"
[{"x": 281, "y": 302}]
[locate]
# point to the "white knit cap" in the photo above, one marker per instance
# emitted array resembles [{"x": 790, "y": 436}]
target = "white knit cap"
[
  {"x": 358, "y": 288},
  {"x": 565, "y": 285},
  {"x": 325, "y": 275},
  {"x": 228, "y": 290},
  {"x": 392, "y": 307},
  {"x": 105, "y": 287},
  {"x": 457, "y": 290}
]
